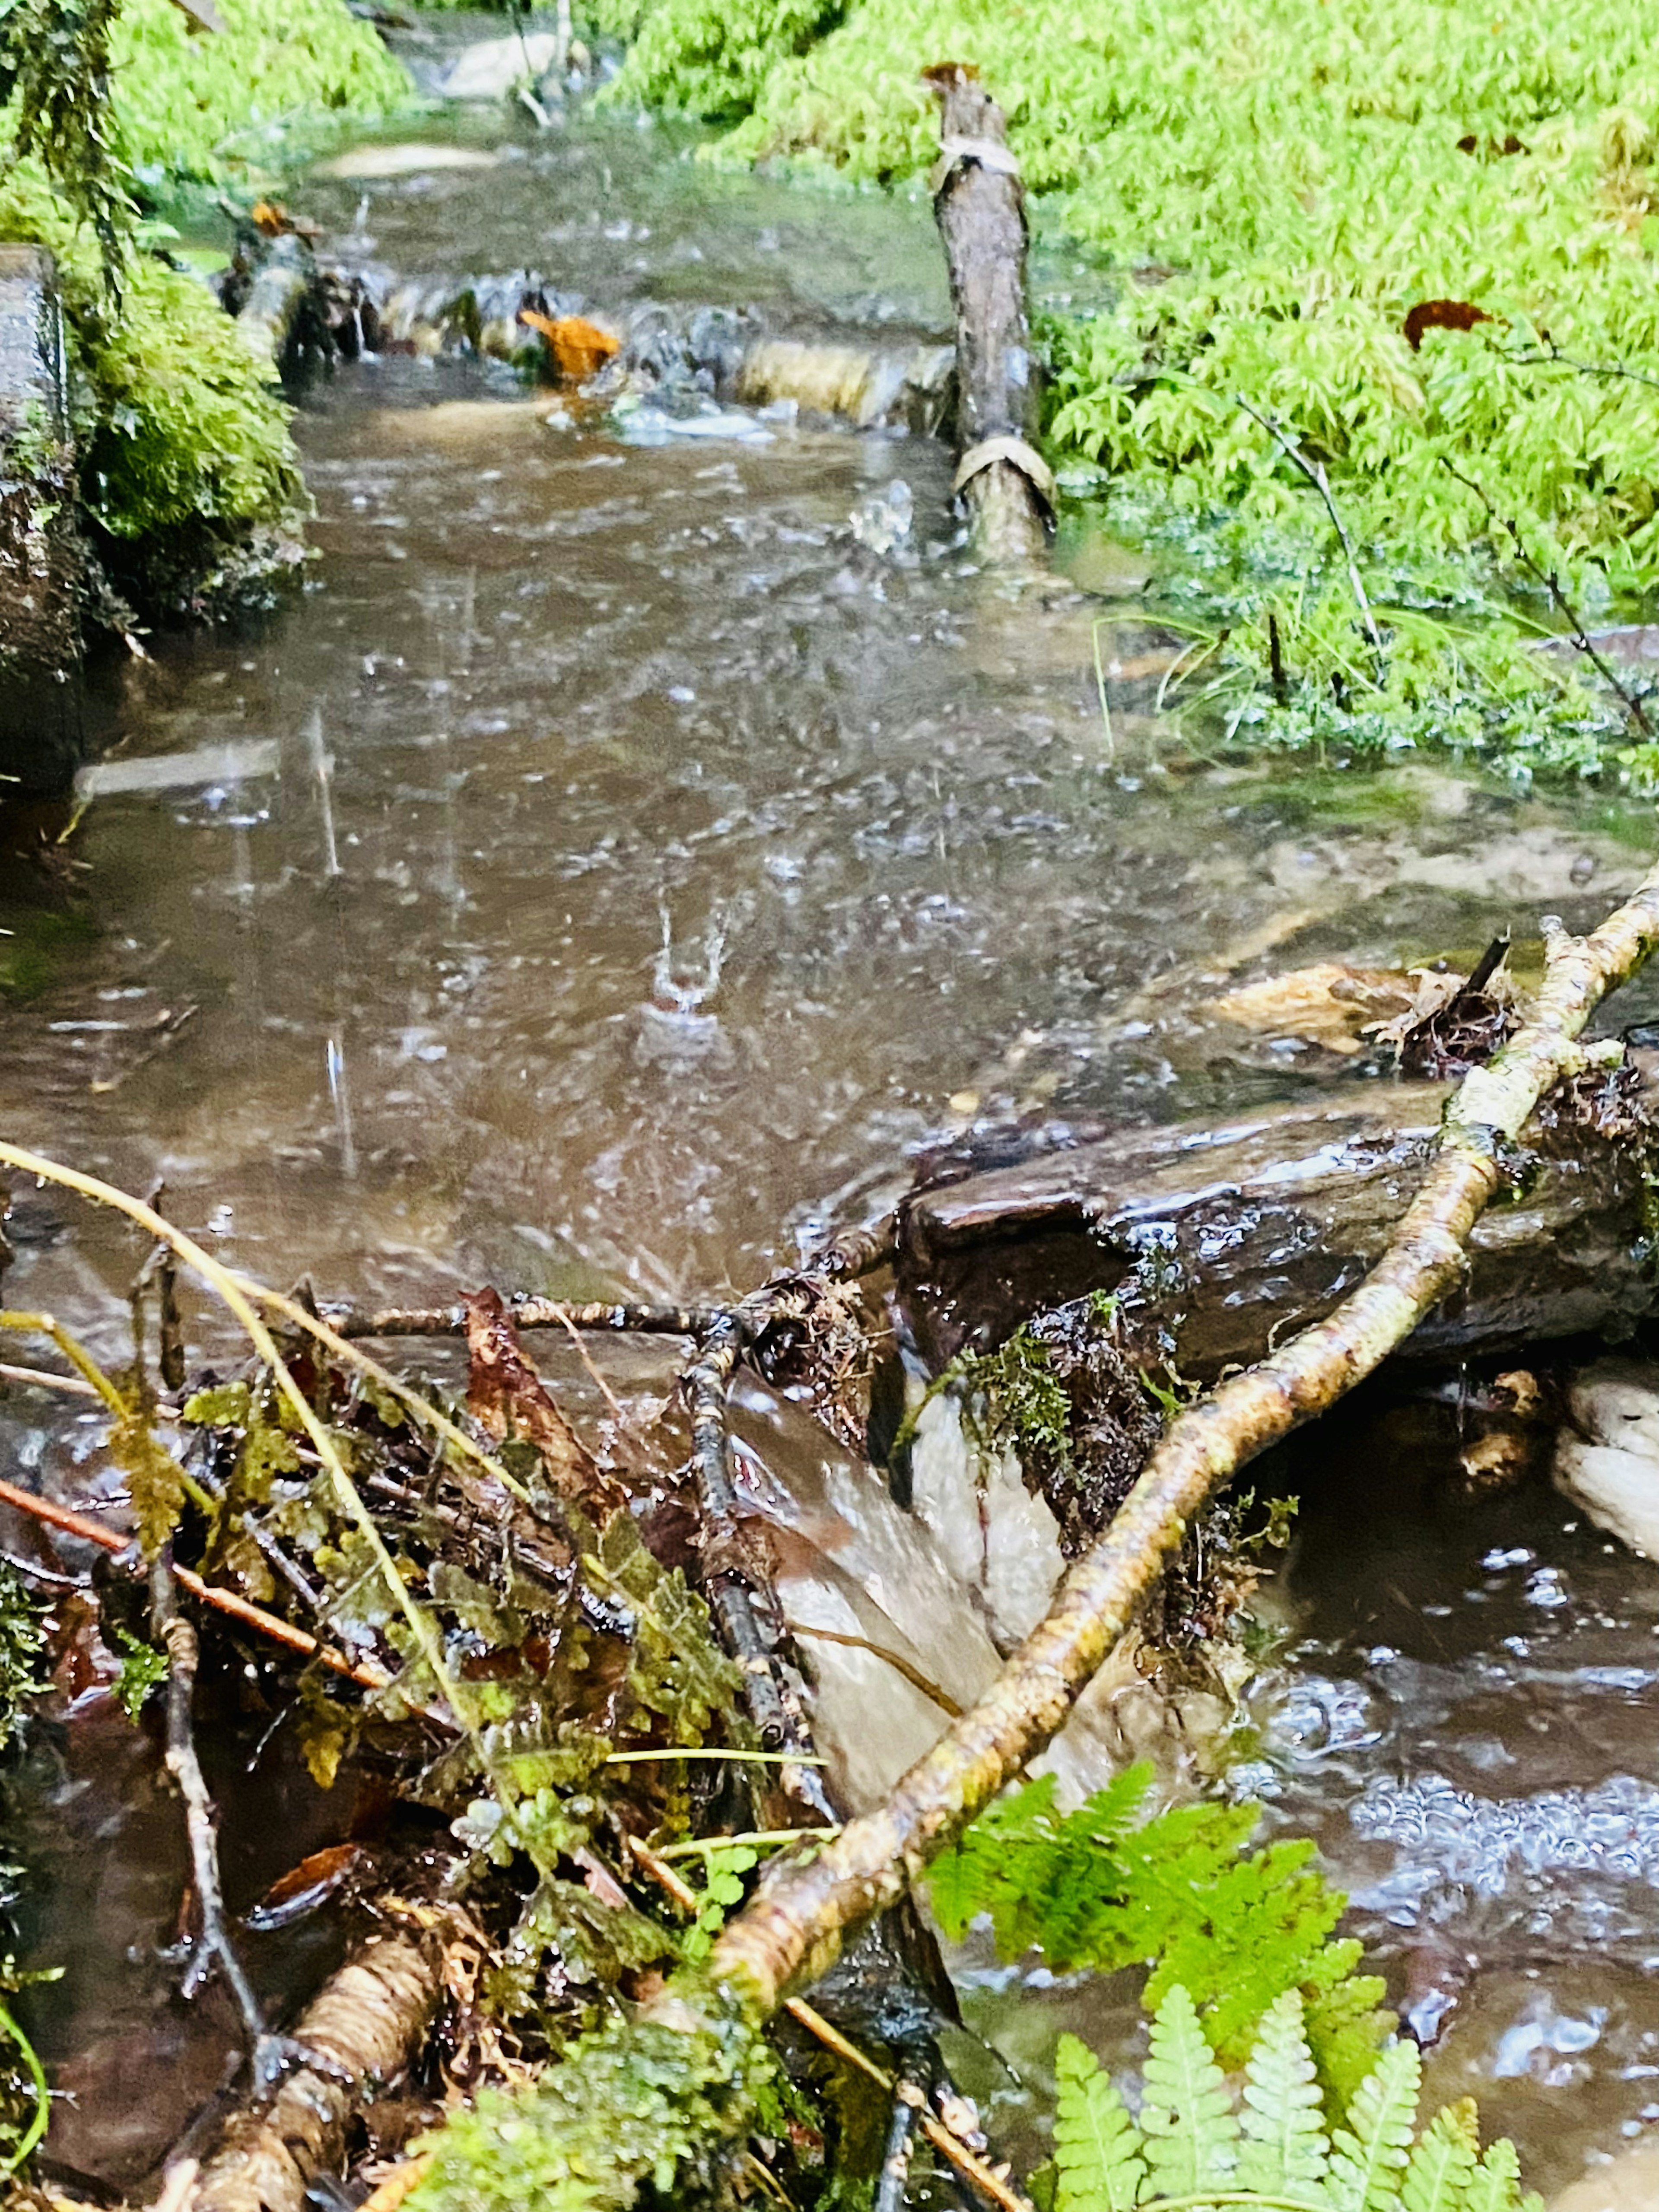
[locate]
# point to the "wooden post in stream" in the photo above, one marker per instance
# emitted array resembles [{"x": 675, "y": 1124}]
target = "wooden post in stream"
[{"x": 979, "y": 204}]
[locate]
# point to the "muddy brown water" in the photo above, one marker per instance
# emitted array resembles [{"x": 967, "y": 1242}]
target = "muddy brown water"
[{"x": 649, "y": 867}]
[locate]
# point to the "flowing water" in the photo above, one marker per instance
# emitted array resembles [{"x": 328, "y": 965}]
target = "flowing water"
[{"x": 627, "y": 854}]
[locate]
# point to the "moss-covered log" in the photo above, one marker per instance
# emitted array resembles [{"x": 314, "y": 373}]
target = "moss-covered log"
[{"x": 40, "y": 549}]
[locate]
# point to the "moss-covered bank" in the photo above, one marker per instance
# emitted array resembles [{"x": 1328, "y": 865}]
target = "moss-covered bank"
[
  {"x": 1421, "y": 238},
  {"x": 189, "y": 478}
]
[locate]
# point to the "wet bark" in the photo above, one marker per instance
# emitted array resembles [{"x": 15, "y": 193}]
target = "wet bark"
[
  {"x": 979, "y": 204},
  {"x": 365, "y": 2027},
  {"x": 1227, "y": 1236},
  {"x": 794, "y": 1923}
]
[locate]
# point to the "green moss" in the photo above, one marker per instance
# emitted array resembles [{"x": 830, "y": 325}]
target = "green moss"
[
  {"x": 188, "y": 473},
  {"x": 181, "y": 96},
  {"x": 637, "y": 2102},
  {"x": 186, "y": 452},
  {"x": 1268, "y": 188}
]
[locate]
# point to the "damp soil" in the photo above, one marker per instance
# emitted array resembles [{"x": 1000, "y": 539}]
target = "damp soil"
[{"x": 640, "y": 867}]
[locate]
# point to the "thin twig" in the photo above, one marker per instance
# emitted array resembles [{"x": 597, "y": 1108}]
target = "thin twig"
[
  {"x": 700, "y": 1846},
  {"x": 362, "y": 1672},
  {"x": 1578, "y": 633},
  {"x": 777, "y": 1717},
  {"x": 663, "y": 1875},
  {"x": 984, "y": 2176},
  {"x": 912, "y": 1675},
  {"x": 177, "y": 1639},
  {"x": 1315, "y": 472},
  {"x": 1555, "y": 358},
  {"x": 39, "y": 1378},
  {"x": 605, "y": 1390},
  {"x": 523, "y": 1311},
  {"x": 895, "y": 2158}
]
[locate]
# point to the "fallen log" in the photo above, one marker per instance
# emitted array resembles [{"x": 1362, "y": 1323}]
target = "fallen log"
[
  {"x": 365, "y": 2026},
  {"x": 795, "y": 1922},
  {"x": 1219, "y": 1238},
  {"x": 980, "y": 205}
]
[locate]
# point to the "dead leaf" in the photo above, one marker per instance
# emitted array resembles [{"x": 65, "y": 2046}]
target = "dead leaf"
[
  {"x": 1329, "y": 1004},
  {"x": 508, "y": 1396},
  {"x": 1440, "y": 315},
  {"x": 308, "y": 1884},
  {"x": 272, "y": 220},
  {"x": 579, "y": 349}
]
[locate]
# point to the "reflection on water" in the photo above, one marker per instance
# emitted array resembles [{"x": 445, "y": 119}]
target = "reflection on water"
[{"x": 624, "y": 856}]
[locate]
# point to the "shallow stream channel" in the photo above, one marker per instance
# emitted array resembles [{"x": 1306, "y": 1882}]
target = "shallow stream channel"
[{"x": 644, "y": 835}]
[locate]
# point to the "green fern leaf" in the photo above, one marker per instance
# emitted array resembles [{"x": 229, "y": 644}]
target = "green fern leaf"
[
  {"x": 1495, "y": 2185},
  {"x": 1285, "y": 2152},
  {"x": 1097, "y": 2146},
  {"x": 1346, "y": 2019},
  {"x": 1439, "y": 2169},
  {"x": 1368, "y": 2155},
  {"x": 1003, "y": 1865},
  {"x": 1186, "y": 2116}
]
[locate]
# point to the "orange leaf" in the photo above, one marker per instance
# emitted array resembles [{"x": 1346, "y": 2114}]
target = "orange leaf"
[{"x": 578, "y": 348}]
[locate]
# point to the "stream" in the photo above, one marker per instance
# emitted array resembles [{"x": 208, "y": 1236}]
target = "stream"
[{"x": 622, "y": 859}]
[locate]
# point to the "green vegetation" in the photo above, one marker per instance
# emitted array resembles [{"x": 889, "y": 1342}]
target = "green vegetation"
[
  {"x": 1420, "y": 245},
  {"x": 188, "y": 473},
  {"x": 190, "y": 105},
  {"x": 1193, "y": 2143},
  {"x": 185, "y": 460},
  {"x": 22, "y": 1641},
  {"x": 1179, "y": 1893}
]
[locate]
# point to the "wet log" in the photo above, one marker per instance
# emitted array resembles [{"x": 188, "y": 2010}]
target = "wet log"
[
  {"x": 980, "y": 205},
  {"x": 40, "y": 552},
  {"x": 1229, "y": 1235},
  {"x": 365, "y": 2027}
]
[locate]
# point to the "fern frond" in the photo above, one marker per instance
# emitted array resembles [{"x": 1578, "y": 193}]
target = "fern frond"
[
  {"x": 1347, "y": 2020},
  {"x": 1099, "y": 2152},
  {"x": 1003, "y": 1865},
  {"x": 1186, "y": 2114},
  {"x": 1284, "y": 2152},
  {"x": 1264, "y": 1923},
  {"x": 1438, "y": 2170},
  {"x": 1181, "y": 1894},
  {"x": 1495, "y": 2185},
  {"x": 1368, "y": 2155}
]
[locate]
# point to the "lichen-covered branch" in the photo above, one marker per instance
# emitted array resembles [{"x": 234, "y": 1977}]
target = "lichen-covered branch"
[
  {"x": 807, "y": 1902},
  {"x": 364, "y": 2026}
]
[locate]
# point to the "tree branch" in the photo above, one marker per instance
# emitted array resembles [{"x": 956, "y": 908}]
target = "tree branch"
[{"x": 807, "y": 1902}]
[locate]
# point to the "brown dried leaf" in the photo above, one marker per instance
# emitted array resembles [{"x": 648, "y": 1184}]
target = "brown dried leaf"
[
  {"x": 507, "y": 1396},
  {"x": 1329, "y": 1004},
  {"x": 304, "y": 1886},
  {"x": 1454, "y": 1022},
  {"x": 1440, "y": 315}
]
